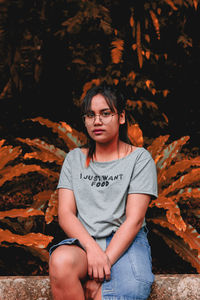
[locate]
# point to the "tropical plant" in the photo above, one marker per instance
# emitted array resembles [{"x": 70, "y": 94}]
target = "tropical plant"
[
  {"x": 22, "y": 185},
  {"x": 178, "y": 180},
  {"x": 179, "y": 196}
]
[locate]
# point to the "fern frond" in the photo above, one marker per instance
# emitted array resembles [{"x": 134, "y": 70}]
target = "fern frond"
[
  {"x": 187, "y": 194},
  {"x": 170, "y": 152},
  {"x": 15, "y": 171},
  {"x": 179, "y": 167},
  {"x": 25, "y": 213},
  {"x": 157, "y": 146},
  {"x": 135, "y": 135},
  {"x": 138, "y": 43},
  {"x": 173, "y": 211},
  {"x": 7, "y": 154},
  {"x": 180, "y": 248},
  {"x": 184, "y": 181},
  {"x": 47, "y": 153},
  {"x": 38, "y": 240},
  {"x": 41, "y": 199},
  {"x": 35, "y": 241},
  {"x": 70, "y": 136},
  {"x": 52, "y": 209},
  {"x": 116, "y": 52},
  {"x": 190, "y": 235}
]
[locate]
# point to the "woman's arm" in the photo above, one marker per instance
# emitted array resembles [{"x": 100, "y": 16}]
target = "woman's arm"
[
  {"x": 98, "y": 262},
  {"x": 136, "y": 208}
]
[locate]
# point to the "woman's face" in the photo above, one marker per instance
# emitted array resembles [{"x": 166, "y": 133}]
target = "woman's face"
[{"x": 99, "y": 129}]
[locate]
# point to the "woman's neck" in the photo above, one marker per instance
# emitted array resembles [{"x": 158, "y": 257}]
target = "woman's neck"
[{"x": 108, "y": 151}]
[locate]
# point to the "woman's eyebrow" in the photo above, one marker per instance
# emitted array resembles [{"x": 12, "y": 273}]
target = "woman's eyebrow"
[{"x": 101, "y": 110}]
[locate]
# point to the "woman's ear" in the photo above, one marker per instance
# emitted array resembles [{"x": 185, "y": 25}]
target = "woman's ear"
[{"x": 122, "y": 117}]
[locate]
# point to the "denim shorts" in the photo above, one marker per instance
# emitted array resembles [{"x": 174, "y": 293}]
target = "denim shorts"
[{"x": 131, "y": 275}]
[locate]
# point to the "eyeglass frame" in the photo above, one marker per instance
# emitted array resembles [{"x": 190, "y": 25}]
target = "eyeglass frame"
[{"x": 99, "y": 115}]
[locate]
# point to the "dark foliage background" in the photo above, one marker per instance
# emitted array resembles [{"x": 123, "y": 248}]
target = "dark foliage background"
[{"x": 50, "y": 50}]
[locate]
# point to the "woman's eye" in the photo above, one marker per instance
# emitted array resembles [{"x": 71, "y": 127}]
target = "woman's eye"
[
  {"x": 90, "y": 115},
  {"x": 106, "y": 113}
]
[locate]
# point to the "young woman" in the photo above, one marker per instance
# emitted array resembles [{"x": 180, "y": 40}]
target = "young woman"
[{"x": 104, "y": 192}]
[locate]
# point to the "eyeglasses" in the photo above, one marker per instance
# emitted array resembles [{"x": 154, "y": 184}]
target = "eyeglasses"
[{"x": 105, "y": 117}]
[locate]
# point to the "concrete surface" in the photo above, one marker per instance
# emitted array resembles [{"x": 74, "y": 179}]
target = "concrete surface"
[{"x": 165, "y": 287}]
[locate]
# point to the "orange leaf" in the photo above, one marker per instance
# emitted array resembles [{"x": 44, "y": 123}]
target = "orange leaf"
[
  {"x": 157, "y": 146},
  {"x": 116, "y": 52},
  {"x": 8, "y": 153},
  {"x": 195, "y": 2},
  {"x": 70, "y": 136},
  {"x": 25, "y": 213},
  {"x": 138, "y": 43},
  {"x": 185, "y": 180},
  {"x": 171, "y": 3},
  {"x": 131, "y": 21},
  {"x": 88, "y": 86},
  {"x": 38, "y": 240},
  {"x": 173, "y": 211},
  {"x": 155, "y": 23},
  {"x": 190, "y": 235},
  {"x": 180, "y": 248},
  {"x": 135, "y": 135},
  {"x": 52, "y": 209},
  {"x": 18, "y": 170}
]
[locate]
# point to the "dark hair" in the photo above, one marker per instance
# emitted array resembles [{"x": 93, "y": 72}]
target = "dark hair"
[{"x": 114, "y": 99}]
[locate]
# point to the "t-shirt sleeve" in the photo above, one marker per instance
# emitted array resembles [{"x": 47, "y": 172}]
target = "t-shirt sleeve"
[
  {"x": 65, "y": 178},
  {"x": 144, "y": 176}
]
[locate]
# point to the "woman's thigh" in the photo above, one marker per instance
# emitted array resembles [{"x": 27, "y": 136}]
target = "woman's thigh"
[
  {"x": 68, "y": 259},
  {"x": 131, "y": 275}
]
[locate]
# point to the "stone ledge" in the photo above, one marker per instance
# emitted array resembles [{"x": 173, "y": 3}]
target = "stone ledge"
[{"x": 165, "y": 287}]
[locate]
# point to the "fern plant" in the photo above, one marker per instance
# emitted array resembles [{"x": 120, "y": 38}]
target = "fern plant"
[
  {"x": 178, "y": 181},
  {"x": 179, "y": 195},
  {"x": 44, "y": 201}
]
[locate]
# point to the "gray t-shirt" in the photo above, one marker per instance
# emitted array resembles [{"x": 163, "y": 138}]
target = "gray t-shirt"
[{"x": 101, "y": 189}]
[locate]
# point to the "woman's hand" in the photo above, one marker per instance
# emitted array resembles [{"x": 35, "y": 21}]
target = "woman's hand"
[
  {"x": 98, "y": 264},
  {"x": 91, "y": 288}
]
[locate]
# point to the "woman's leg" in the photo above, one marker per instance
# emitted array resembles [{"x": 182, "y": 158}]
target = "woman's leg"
[
  {"x": 67, "y": 267},
  {"x": 98, "y": 295}
]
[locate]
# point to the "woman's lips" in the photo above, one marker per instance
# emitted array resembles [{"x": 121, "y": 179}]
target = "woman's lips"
[{"x": 98, "y": 131}]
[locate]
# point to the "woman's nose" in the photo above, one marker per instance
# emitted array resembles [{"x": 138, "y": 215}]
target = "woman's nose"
[{"x": 97, "y": 119}]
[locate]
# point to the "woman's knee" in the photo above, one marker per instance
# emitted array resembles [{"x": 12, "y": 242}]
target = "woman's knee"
[{"x": 65, "y": 261}]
